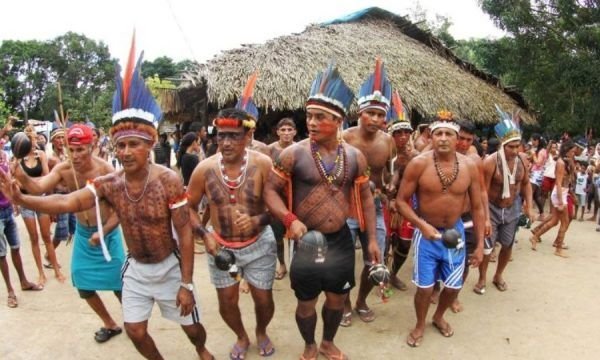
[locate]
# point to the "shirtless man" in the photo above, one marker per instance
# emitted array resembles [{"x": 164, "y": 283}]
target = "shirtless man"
[
  {"x": 286, "y": 131},
  {"x": 319, "y": 175},
  {"x": 378, "y": 148},
  {"x": 442, "y": 179},
  {"x": 400, "y": 243},
  {"x": 150, "y": 202},
  {"x": 233, "y": 181},
  {"x": 506, "y": 176},
  {"x": 89, "y": 269},
  {"x": 423, "y": 136}
]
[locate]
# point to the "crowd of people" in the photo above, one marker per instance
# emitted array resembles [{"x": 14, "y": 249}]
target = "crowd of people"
[{"x": 452, "y": 196}]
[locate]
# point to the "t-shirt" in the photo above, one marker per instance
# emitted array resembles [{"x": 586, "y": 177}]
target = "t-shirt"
[
  {"x": 550, "y": 168},
  {"x": 581, "y": 183},
  {"x": 188, "y": 164}
]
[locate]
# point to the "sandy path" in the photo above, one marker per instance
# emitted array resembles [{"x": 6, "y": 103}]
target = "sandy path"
[{"x": 549, "y": 312}]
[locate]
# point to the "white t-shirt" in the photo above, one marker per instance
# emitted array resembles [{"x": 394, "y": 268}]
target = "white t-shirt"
[
  {"x": 581, "y": 183},
  {"x": 550, "y": 168}
]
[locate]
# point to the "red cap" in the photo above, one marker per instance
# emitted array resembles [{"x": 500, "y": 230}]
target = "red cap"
[{"x": 80, "y": 135}]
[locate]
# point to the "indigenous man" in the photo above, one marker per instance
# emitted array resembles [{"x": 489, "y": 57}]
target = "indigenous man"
[
  {"x": 286, "y": 131},
  {"x": 378, "y": 148},
  {"x": 506, "y": 176},
  {"x": 89, "y": 269},
  {"x": 150, "y": 202},
  {"x": 401, "y": 231},
  {"x": 442, "y": 180},
  {"x": 423, "y": 136},
  {"x": 233, "y": 181},
  {"x": 322, "y": 176}
]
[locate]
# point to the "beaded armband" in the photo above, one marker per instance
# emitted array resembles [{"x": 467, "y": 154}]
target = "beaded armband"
[
  {"x": 280, "y": 169},
  {"x": 288, "y": 219}
]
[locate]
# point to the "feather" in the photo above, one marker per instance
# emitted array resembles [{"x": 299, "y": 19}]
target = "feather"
[
  {"x": 127, "y": 76},
  {"x": 249, "y": 89},
  {"x": 397, "y": 106},
  {"x": 377, "y": 75}
]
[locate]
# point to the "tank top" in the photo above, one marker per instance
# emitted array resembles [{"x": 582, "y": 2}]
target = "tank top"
[{"x": 35, "y": 171}]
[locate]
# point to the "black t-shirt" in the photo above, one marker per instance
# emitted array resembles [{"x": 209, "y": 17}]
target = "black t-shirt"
[
  {"x": 188, "y": 164},
  {"x": 162, "y": 154}
]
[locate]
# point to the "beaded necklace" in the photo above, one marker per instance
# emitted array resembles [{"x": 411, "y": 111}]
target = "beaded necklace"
[
  {"x": 233, "y": 184},
  {"x": 143, "y": 190},
  {"x": 332, "y": 172},
  {"x": 446, "y": 180}
]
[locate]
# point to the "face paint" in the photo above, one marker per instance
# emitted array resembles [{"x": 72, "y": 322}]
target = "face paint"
[{"x": 327, "y": 128}]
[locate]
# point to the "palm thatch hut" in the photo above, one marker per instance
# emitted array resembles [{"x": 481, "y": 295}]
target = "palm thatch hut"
[{"x": 428, "y": 76}]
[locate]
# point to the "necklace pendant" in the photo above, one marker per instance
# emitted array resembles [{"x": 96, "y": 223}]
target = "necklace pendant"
[{"x": 232, "y": 199}]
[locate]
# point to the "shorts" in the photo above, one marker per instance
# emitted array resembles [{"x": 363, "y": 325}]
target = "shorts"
[
  {"x": 257, "y": 263},
  {"x": 29, "y": 214},
  {"x": 146, "y": 284},
  {"x": 547, "y": 184},
  {"x": 581, "y": 199},
  {"x": 334, "y": 275},
  {"x": 362, "y": 235},
  {"x": 434, "y": 261},
  {"x": 505, "y": 222},
  {"x": 554, "y": 197},
  {"x": 8, "y": 231},
  {"x": 470, "y": 240},
  {"x": 61, "y": 230}
]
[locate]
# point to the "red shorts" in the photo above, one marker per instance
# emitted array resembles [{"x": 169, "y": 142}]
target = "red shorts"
[{"x": 547, "y": 184}]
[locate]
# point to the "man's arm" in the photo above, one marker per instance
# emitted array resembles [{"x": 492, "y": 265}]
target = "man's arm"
[
  {"x": 195, "y": 193},
  {"x": 40, "y": 185},
  {"x": 484, "y": 196},
  {"x": 477, "y": 212},
  {"x": 526, "y": 191},
  {"x": 368, "y": 208}
]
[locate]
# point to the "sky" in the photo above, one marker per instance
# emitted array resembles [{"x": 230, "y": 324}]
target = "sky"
[{"x": 200, "y": 29}]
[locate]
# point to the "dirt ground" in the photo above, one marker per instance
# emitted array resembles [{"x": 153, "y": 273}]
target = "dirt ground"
[{"x": 550, "y": 311}]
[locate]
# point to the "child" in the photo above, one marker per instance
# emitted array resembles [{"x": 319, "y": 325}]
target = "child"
[{"x": 580, "y": 189}]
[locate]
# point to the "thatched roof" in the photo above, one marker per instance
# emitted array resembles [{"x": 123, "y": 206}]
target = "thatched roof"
[{"x": 428, "y": 76}]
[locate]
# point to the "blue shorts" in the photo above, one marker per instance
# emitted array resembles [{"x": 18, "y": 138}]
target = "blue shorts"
[
  {"x": 29, "y": 214},
  {"x": 362, "y": 235},
  {"x": 61, "y": 231},
  {"x": 434, "y": 261},
  {"x": 8, "y": 231}
]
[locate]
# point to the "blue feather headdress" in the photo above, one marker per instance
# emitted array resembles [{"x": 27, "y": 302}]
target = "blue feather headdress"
[
  {"x": 329, "y": 93},
  {"x": 246, "y": 102},
  {"x": 507, "y": 129},
  {"x": 133, "y": 101},
  {"x": 376, "y": 91}
]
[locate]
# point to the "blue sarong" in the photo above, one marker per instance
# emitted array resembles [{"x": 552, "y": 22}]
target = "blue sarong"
[{"x": 89, "y": 269}]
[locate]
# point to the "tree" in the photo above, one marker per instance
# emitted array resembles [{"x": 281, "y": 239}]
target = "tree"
[
  {"x": 4, "y": 109},
  {"x": 163, "y": 67}
]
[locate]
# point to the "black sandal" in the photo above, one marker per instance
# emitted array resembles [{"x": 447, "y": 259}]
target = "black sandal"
[{"x": 104, "y": 334}]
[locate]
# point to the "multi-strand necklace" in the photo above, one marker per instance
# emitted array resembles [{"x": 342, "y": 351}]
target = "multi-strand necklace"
[
  {"x": 334, "y": 171},
  {"x": 446, "y": 180},
  {"x": 233, "y": 184}
]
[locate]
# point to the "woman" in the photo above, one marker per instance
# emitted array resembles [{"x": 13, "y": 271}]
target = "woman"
[
  {"x": 187, "y": 157},
  {"x": 536, "y": 174},
  {"x": 548, "y": 175},
  {"x": 565, "y": 169},
  {"x": 35, "y": 164}
]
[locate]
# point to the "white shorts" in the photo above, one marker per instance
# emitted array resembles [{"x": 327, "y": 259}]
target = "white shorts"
[
  {"x": 145, "y": 284},
  {"x": 554, "y": 197}
]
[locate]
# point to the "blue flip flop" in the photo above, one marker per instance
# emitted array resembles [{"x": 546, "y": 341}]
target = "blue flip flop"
[{"x": 262, "y": 347}]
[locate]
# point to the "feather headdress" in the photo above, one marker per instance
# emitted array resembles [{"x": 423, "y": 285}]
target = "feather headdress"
[
  {"x": 444, "y": 119},
  {"x": 133, "y": 101},
  {"x": 376, "y": 91},
  {"x": 507, "y": 129},
  {"x": 328, "y": 92},
  {"x": 397, "y": 118}
]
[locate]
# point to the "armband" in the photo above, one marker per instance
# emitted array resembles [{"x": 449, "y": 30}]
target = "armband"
[
  {"x": 200, "y": 230},
  {"x": 288, "y": 219}
]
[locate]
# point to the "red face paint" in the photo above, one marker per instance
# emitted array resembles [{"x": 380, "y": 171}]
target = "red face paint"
[{"x": 327, "y": 128}]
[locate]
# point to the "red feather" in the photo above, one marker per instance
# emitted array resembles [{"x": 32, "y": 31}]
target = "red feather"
[
  {"x": 397, "y": 103},
  {"x": 249, "y": 89},
  {"x": 128, "y": 75},
  {"x": 377, "y": 82}
]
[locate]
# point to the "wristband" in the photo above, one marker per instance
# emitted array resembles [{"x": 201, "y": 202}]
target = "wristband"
[{"x": 288, "y": 219}]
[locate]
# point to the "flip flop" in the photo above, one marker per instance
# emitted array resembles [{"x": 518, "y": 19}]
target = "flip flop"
[
  {"x": 12, "y": 301},
  {"x": 346, "y": 319},
  {"x": 366, "y": 315},
  {"x": 501, "y": 286},
  {"x": 479, "y": 290},
  {"x": 446, "y": 332},
  {"x": 104, "y": 334},
  {"x": 413, "y": 341},
  {"x": 237, "y": 352},
  {"x": 340, "y": 356},
  {"x": 34, "y": 287},
  {"x": 262, "y": 348}
]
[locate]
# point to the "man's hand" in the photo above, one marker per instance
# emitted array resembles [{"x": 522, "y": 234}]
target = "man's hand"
[
  {"x": 476, "y": 258},
  {"x": 95, "y": 239},
  {"x": 431, "y": 233},
  {"x": 243, "y": 222},
  {"x": 374, "y": 254},
  {"x": 185, "y": 301},
  {"x": 211, "y": 245},
  {"x": 9, "y": 187},
  {"x": 487, "y": 230},
  {"x": 297, "y": 230}
]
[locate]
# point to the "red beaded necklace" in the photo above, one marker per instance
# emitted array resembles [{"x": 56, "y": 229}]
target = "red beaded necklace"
[{"x": 333, "y": 172}]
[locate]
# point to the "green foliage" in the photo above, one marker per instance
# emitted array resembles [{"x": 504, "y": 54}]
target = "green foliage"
[
  {"x": 165, "y": 68},
  {"x": 155, "y": 84},
  {"x": 4, "y": 109}
]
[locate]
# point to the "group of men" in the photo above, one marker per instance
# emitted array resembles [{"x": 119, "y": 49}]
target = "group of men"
[{"x": 335, "y": 185}]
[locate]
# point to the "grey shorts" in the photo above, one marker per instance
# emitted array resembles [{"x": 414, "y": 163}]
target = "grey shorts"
[
  {"x": 146, "y": 284},
  {"x": 381, "y": 233},
  {"x": 504, "y": 226},
  {"x": 257, "y": 263}
]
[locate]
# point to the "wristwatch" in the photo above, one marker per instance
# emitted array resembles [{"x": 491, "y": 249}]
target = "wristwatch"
[{"x": 189, "y": 286}]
